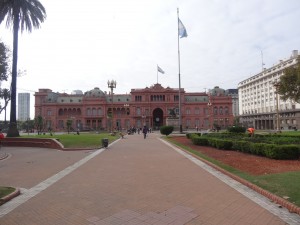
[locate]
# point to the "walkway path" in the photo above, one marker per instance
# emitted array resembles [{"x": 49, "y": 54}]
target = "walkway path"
[{"x": 135, "y": 181}]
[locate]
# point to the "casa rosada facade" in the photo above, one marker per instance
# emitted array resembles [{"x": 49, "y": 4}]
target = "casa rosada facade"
[{"x": 150, "y": 106}]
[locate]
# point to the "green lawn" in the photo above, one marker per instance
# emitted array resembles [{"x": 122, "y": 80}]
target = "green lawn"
[
  {"x": 84, "y": 140},
  {"x": 5, "y": 191},
  {"x": 283, "y": 184}
]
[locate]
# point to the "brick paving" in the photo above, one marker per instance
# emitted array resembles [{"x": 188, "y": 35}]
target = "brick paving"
[{"x": 134, "y": 181}]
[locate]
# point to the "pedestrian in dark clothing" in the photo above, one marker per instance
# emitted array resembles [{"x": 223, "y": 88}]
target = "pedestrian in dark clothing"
[{"x": 145, "y": 130}]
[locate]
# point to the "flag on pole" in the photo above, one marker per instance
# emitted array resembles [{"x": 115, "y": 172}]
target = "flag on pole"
[
  {"x": 181, "y": 29},
  {"x": 160, "y": 70}
]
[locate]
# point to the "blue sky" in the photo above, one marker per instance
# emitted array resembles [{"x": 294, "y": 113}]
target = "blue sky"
[{"x": 82, "y": 44}]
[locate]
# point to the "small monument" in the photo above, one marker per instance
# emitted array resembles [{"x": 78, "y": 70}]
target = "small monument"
[{"x": 172, "y": 119}]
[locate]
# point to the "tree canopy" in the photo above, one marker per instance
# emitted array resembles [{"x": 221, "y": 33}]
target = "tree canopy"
[
  {"x": 4, "y": 67},
  {"x": 21, "y": 15},
  {"x": 4, "y": 52},
  {"x": 289, "y": 84}
]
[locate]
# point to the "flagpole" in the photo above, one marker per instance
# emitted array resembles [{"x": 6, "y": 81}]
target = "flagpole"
[
  {"x": 157, "y": 74},
  {"x": 179, "y": 92}
]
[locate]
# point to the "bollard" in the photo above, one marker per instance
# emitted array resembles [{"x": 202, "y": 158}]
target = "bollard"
[{"x": 104, "y": 142}]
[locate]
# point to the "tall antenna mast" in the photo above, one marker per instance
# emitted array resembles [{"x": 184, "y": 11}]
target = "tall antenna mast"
[{"x": 262, "y": 60}]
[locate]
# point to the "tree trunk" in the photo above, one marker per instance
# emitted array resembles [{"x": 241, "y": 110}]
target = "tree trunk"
[
  {"x": 5, "y": 115},
  {"x": 13, "y": 129}
]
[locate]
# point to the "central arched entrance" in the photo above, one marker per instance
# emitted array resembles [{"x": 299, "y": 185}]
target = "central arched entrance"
[{"x": 158, "y": 118}]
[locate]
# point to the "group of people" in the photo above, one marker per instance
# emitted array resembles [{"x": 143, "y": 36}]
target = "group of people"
[{"x": 144, "y": 130}]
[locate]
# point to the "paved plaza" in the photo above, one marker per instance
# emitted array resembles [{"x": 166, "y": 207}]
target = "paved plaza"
[{"x": 135, "y": 181}]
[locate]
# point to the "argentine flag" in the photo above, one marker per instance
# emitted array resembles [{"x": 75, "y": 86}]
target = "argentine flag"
[
  {"x": 160, "y": 70},
  {"x": 181, "y": 29}
]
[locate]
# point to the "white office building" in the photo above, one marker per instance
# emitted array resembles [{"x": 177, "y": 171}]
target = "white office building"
[
  {"x": 23, "y": 106},
  {"x": 258, "y": 99}
]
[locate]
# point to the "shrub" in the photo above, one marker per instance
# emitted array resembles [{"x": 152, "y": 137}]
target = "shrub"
[
  {"x": 223, "y": 144},
  {"x": 166, "y": 130},
  {"x": 257, "y": 148},
  {"x": 212, "y": 142},
  {"x": 200, "y": 140},
  {"x": 269, "y": 151},
  {"x": 242, "y": 146},
  {"x": 236, "y": 129},
  {"x": 191, "y": 135},
  {"x": 284, "y": 152}
]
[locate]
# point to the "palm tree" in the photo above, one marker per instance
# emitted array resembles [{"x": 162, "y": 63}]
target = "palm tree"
[{"x": 21, "y": 14}]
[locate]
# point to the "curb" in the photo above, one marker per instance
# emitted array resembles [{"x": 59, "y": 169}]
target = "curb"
[
  {"x": 10, "y": 196},
  {"x": 3, "y": 155},
  {"x": 292, "y": 208}
]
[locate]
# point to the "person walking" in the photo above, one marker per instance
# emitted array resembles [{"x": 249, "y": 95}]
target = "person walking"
[{"x": 145, "y": 130}]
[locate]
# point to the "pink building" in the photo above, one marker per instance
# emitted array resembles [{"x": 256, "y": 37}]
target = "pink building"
[{"x": 150, "y": 106}]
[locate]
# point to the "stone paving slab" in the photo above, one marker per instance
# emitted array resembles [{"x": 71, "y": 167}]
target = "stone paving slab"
[
  {"x": 26, "y": 167},
  {"x": 134, "y": 181}
]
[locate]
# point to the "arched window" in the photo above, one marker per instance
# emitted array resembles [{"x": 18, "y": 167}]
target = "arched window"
[
  {"x": 88, "y": 111},
  {"x": 94, "y": 112},
  {"x": 99, "y": 111},
  {"x": 60, "y": 112},
  {"x": 215, "y": 110},
  {"x": 69, "y": 111},
  {"x": 226, "y": 110},
  {"x": 188, "y": 111},
  {"x": 221, "y": 110}
]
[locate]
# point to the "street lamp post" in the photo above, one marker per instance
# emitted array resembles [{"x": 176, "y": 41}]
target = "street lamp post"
[
  {"x": 127, "y": 112},
  {"x": 112, "y": 84},
  {"x": 144, "y": 120},
  {"x": 276, "y": 85},
  {"x": 28, "y": 125},
  {"x": 209, "y": 106}
]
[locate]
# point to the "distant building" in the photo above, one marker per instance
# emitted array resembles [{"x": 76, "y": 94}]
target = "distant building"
[
  {"x": 258, "y": 99},
  {"x": 23, "y": 106},
  {"x": 151, "y": 106},
  {"x": 234, "y": 93},
  {"x": 77, "y": 92}
]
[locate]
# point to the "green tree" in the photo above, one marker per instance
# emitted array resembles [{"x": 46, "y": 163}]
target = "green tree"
[
  {"x": 38, "y": 121},
  {"x": 4, "y": 59},
  {"x": 27, "y": 125},
  {"x": 5, "y": 94},
  {"x": 69, "y": 125},
  {"x": 289, "y": 84},
  {"x": 21, "y": 15},
  {"x": 4, "y": 52}
]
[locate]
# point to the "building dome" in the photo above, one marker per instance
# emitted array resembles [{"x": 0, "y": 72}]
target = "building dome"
[
  {"x": 96, "y": 92},
  {"x": 216, "y": 91},
  {"x": 76, "y": 92}
]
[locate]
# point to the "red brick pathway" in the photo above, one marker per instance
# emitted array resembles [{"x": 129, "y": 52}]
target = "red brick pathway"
[{"x": 134, "y": 181}]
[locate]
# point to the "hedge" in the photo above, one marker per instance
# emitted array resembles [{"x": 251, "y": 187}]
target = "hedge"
[
  {"x": 199, "y": 140},
  {"x": 273, "y": 151},
  {"x": 282, "y": 151},
  {"x": 223, "y": 144}
]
